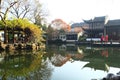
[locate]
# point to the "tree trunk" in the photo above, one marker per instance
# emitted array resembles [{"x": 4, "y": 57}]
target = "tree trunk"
[{"x": 0, "y": 3}]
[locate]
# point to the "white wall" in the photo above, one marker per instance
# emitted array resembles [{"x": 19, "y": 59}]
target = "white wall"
[{"x": 1, "y": 35}]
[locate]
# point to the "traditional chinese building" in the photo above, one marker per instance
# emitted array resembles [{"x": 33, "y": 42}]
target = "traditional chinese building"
[
  {"x": 67, "y": 36},
  {"x": 96, "y": 27},
  {"x": 113, "y": 29}
]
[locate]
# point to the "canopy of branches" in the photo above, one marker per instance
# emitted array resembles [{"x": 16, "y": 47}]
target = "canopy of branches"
[{"x": 29, "y": 9}]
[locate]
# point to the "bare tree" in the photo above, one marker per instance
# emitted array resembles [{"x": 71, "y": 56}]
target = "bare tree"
[
  {"x": 30, "y": 9},
  {"x": 0, "y": 4},
  {"x": 21, "y": 9},
  {"x": 3, "y": 16},
  {"x": 38, "y": 16}
]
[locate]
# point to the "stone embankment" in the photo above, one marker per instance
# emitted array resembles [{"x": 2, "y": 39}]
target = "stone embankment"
[{"x": 21, "y": 46}]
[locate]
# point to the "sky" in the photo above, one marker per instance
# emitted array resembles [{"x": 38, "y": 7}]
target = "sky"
[{"x": 76, "y": 10}]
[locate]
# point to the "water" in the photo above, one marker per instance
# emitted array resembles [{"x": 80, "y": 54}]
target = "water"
[{"x": 60, "y": 62}]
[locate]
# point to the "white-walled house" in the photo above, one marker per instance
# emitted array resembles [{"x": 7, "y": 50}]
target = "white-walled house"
[
  {"x": 62, "y": 36},
  {"x": 73, "y": 36},
  {"x": 68, "y": 36}
]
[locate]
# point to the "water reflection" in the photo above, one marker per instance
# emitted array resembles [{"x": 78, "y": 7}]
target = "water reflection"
[
  {"x": 61, "y": 54},
  {"x": 29, "y": 65},
  {"x": 103, "y": 58},
  {"x": 97, "y": 58},
  {"x": 24, "y": 66},
  {"x": 100, "y": 59}
]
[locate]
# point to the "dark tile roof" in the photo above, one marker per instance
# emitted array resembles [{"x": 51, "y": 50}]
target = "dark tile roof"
[
  {"x": 102, "y": 18},
  {"x": 97, "y": 19},
  {"x": 113, "y": 22},
  {"x": 78, "y": 25}
]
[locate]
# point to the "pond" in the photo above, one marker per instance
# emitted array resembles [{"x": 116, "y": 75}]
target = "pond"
[{"x": 60, "y": 62}]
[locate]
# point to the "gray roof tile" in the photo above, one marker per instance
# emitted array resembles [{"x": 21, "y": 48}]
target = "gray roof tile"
[
  {"x": 113, "y": 22},
  {"x": 102, "y": 18}
]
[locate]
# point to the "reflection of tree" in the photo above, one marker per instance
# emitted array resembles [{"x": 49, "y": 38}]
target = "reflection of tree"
[
  {"x": 59, "y": 56},
  {"x": 29, "y": 66},
  {"x": 42, "y": 73},
  {"x": 99, "y": 58},
  {"x": 59, "y": 60},
  {"x": 104, "y": 53}
]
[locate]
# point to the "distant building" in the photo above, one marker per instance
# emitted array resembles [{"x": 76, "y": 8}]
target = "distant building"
[
  {"x": 73, "y": 36},
  {"x": 96, "y": 26},
  {"x": 113, "y": 29},
  {"x": 79, "y": 27},
  {"x": 62, "y": 36},
  {"x": 93, "y": 29},
  {"x": 67, "y": 36}
]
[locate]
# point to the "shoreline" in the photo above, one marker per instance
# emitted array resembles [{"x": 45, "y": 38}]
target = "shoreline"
[{"x": 89, "y": 43}]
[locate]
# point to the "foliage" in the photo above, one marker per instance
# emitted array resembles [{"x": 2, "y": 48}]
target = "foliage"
[
  {"x": 25, "y": 65},
  {"x": 82, "y": 38},
  {"x": 1, "y": 24},
  {"x": 22, "y": 9},
  {"x": 31, "y": 30},
  {"x": 60, "y": 24},
  {"x": 44, "y": 27},
  {"x": 57, "y": 26}
]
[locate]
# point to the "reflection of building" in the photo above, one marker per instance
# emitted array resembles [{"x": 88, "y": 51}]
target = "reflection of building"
[
  {"x": 65, "y": 53},
  {"x": 70, "y": 48},
  {"x": 96, "y": 60},
  {"x": 99, "y": 60},
  {"x": 98, "y": 65},
  {"x": 59, "y": 60}
]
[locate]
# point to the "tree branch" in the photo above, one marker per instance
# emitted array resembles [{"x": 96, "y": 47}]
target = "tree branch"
[
  {"x": 12, "y": 4},
  {"x": 26, "y": 11}
]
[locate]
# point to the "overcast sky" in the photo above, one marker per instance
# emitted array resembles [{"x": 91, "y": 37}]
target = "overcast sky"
[{"x": 76, "y": 10}]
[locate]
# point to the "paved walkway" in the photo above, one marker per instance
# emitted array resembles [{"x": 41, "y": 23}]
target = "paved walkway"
[{"x": 106, "y": 43}]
